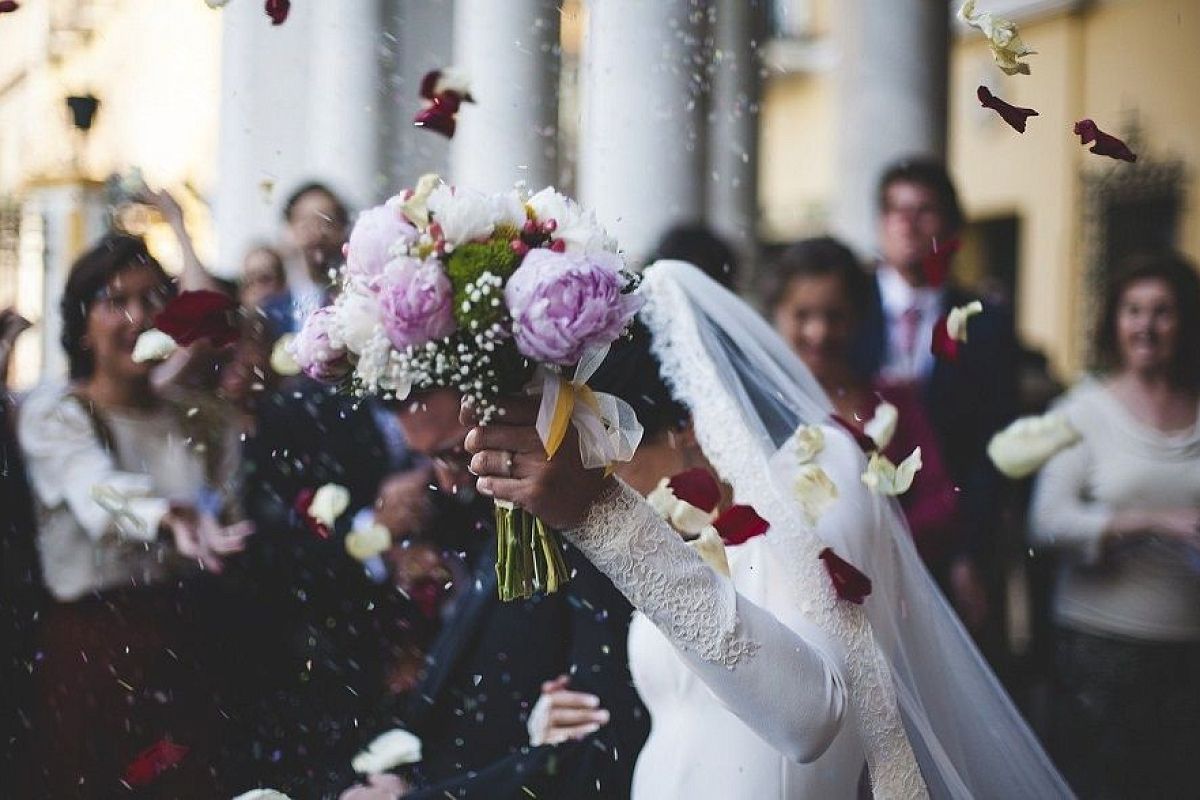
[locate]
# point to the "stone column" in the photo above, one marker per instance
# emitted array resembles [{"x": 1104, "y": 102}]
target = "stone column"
[
  {"x": 732, "y": 209},
  {"x": 891, "y": 95},
  {"x": 510, "y": 53},
  {"x": 642, "y": 140}
]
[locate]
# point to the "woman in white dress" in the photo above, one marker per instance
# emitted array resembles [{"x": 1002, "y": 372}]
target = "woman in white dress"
[{"x": 768, "y": 684}]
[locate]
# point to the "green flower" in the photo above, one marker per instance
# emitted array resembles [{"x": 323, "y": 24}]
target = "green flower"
[{"x": 477, "y": 272}]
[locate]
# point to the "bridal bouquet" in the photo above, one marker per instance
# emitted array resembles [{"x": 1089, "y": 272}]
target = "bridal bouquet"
[{"x": 488, "y": 295}]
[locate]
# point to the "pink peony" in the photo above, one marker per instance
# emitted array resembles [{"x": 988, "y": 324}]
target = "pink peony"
[
  {"x": 562, "y": 304},
  {"x": 375, "y": 232},
  {"x": 317, "y": 356},
  {"x": 416, "y": 299}
]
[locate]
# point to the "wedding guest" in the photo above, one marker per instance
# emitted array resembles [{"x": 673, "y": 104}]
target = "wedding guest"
[
  {"x": 132, "y": 494},
  {"x": 966, "y": 400},
  {"x": 488, "y": 665},
  {"x": 1123, "y": 508},
  {"x": 817, "y": 300},
  {"x": 263, "y": 276},
  {"x": 698, "y": 244}
]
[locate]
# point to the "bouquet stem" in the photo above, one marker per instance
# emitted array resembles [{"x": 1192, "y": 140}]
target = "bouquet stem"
[{"x": 529, "y": 556}]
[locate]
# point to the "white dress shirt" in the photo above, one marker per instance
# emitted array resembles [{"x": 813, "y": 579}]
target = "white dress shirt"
[{"x": 925, "y": 302}]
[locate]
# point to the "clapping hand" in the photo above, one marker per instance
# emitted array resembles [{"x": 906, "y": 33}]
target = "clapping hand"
[
  {"x": 561, "y": 715},
  {"x": 199, "y": 536},
  {"x": 510, "y": 460}
]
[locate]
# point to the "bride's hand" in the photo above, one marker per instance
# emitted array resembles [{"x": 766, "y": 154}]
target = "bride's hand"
[
  {"x": 561, "y": 715},
  {"x": 511, "y": 463}
]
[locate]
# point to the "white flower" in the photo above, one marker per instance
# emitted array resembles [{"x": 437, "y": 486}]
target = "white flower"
[
  {"x": 956, "y": 320},
  {"x": 884, "y": 477},
  {"x": 261, "y": 794},
  {"x": 390, "y": 750},
  {"x": 683, "y": 516},
  {"x": 462, "y": 214},
  {"x": 882, "y": 425},
  {"x": 710, "y": 547},
  {"x": 814, "y": 491},
  {"x": 356, "y": 319},
  {"x": 577, "y": 229},
  {"x": 415, "y": 207},
  {"x": 1024, "y": 446},
  {"x": 368, "y": 542},
  {"x": 282, "y": 361},
  {"x": 1002, "y": 37},
  {"x": 809, "y": 441},
  {"x": 153, "y": 345},
  {"x": 328, "y": 503},
  {"x": 508, "y": 208}
]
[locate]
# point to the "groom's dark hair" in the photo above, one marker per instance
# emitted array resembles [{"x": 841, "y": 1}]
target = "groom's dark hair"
[{"x": 633, "y": 373}]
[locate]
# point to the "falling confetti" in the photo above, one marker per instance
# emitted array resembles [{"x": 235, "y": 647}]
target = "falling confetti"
[
  {"x": 154, "y": 761},
  {"x": 849, "y": 583},
  {"x": 936, "y": 265},
  {"x": 1105, "y": 144},
  {"x": 278, "y": 10},
  {"x": 446, "y": 90},
  {"x": 1015, "y": 116}
]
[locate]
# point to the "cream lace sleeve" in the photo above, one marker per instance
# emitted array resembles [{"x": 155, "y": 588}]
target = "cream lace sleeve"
[{"x": 750, "y": 660}]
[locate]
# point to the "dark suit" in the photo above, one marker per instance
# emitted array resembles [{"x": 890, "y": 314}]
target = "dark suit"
[
  {"x": 967, "y": 401},
  {"x": 484, "y": 676}
]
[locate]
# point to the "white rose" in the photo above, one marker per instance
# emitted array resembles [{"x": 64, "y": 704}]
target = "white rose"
[
  {"x": 884, "y": 477},
  {"x": 956, "y": 320},
  {"x": 462, "y": 214},
  {"x": 368, "y": 542},
  {"x": 1024, "y": 446},
  {"x": 710, "y": 547},
  {"x": 356, "y": 319},
  {"x": 390, "y": 750},
  {"x": 328, "y": 503},
  {"x": 814, "y": 491},
  {"x": 578, "y": 230},
  {"x": 508, "y": 208},
  {"x": 809, "y": 441},
  {"x": 882, "y": 425},
  {"x": 153, "y": 345}
]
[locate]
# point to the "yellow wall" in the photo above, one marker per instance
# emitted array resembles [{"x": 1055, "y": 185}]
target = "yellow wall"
[{"x": 796, "y": 164}]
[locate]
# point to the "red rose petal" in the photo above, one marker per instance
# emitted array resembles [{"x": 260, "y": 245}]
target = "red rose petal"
[
  {"x": 192, "y": 316},
  {"x": 936, "y": 265},
  {"x": 943, "y": 345},
  {"x": 278, "y": 10},
  {"x": 153, "y": 761},
  {"x": 429, "y": 83},
  {"x": 1013, "y": 115},
  {"x": 1105, "y": 144},
  {"x": 739, "y": 523},
  {"x": 300, "y": 505},
  {"x": 850, "y": 584},
  {"x": 865, "y": 443},
  {"x": 8, "y": 5},
  {"x": 697, "y": 487},
  {"x": 437, "y": 119}
]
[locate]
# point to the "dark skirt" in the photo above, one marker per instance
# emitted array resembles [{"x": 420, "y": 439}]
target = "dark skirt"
[
  {"x": 115, "y": 675},
  {"x": 1127, "y": 715}
]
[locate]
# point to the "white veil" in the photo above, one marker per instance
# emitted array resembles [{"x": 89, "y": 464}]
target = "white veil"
[{"x": 912, "y": 668}]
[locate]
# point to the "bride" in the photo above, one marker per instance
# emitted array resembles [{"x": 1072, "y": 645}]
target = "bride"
[{"x": 766, "y": 684}]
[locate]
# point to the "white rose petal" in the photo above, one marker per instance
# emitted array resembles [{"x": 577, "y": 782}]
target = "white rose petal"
[
  {"x": 462, "y": 214},
  {"x": 809, "y": 441},
  {"x": 1024, "y": 446},
  {"x": 153, "y": 345},
  {"x": 710, "y": 547},
  {"x": 814, "y": 491},
  {"x": 682, "y": 516},
  {"x": 508, "y": 208},
  {"x": 416, "y": 207},
  {"x": 956, "y": 320},
  {"x": 1002, "y": 36},
  {"x": 452, "y": 79},
  {"x": 882, "y": 425},
  {"x": 366, "y": 543},
  {"x": 328, "y": 503},
  {"x": 884, "y": 477},
  {"x": 262, "y": 794},
  {"x": 392, "y": 749},
  {"x": 662, "y": 499},
  {"x": 283, "y": 360}
]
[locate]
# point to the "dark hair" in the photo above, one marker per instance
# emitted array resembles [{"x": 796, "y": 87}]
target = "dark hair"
[
  {"x": 698, "y": 244},
  {"x": 277, "y": 267},
  {"x": 341, "y": 213},
  {"x": 632, "y": 372},
  {"x": 1180, "y": 274},
  {"x": 929, "y": 173},
  {"x": 90, "y": 273},
  {"x": 818, "y": 257}
]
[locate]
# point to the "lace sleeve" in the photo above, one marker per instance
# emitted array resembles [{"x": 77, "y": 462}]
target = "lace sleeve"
[{"x": 742, "y": 652}]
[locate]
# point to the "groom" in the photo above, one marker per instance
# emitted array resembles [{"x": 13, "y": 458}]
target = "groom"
[{"x": 485, "y": 672}]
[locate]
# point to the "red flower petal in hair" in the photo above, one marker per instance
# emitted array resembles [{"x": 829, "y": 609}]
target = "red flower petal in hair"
[
  {"x": 153, "y": 761},
  {"x": 1105, "y": 144},
  {"x": 850, "y": 584},
  {"x": 739, "y": 523},
  {"x": 696, "y": 487},
  {"x": 1013, "y": 115},
  {"x": 278, "y": 10},
  {"x": 300, "y": 505},
  {"x": 944, "y": 345},
  {"x": 865, "y": 443},
  {"x": 8, "y": 5},
  {"x": 936, "y": 265},
  {"x": 202, "y": 314}
]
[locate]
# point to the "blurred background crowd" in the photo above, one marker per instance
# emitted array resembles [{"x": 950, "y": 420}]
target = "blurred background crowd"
[{"x": 810, "y": 155}]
